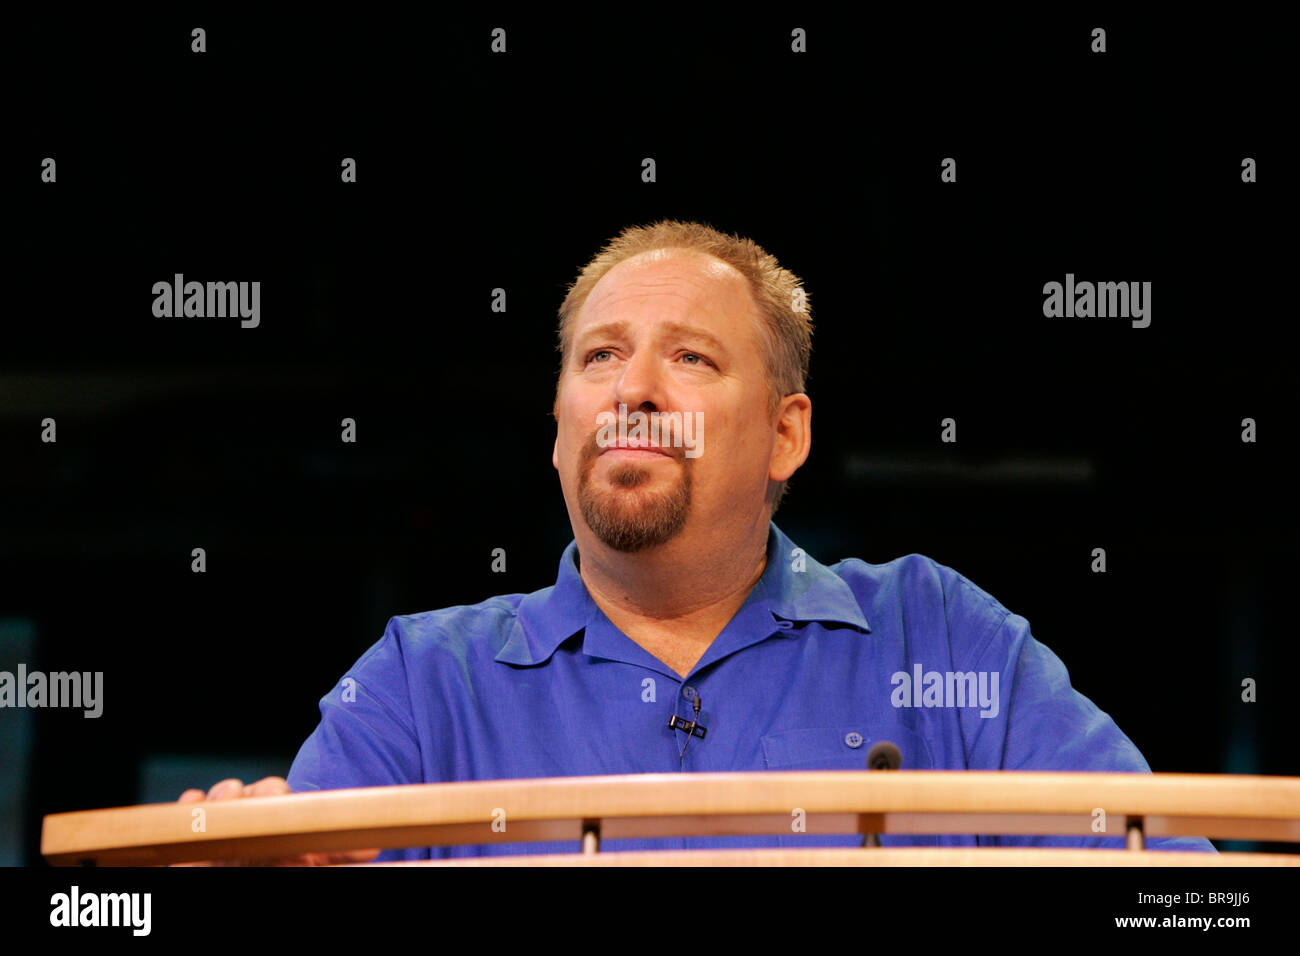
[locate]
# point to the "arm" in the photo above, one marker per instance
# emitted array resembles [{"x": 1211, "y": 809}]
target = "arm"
[
  {"x": 366, "y": 735},
  {"x": 1048, "y": 725}
]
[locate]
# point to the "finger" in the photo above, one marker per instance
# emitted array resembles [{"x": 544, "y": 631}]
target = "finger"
[
  {"x": 337, "y": 858},
  {"x": 225, "y": 789},
  {"x": 349, "y": 856},
  {"x": 267, "y": 787},
  {"x": 191, "y": 795}
]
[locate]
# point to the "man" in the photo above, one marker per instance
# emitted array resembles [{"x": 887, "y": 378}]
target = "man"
[{"x": 679, "y": 592}]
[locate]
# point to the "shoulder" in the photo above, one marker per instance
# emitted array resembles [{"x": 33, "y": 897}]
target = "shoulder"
[
  {"x": 465, "y": 630},
  {"x": 917, "y": 587},
  {"x": 916, "y": 577}
]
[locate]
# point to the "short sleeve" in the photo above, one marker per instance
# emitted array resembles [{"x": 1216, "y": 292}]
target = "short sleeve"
[
  {"x": 1051, "y": 726},
  {"x": 366, "y": 736}
]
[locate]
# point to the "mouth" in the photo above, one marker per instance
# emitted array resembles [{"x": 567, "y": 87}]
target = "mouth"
[
  {"x": 636, "y": 449},
  {"x": 634, "y": 453}
]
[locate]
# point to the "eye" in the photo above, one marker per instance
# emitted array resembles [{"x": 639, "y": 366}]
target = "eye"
[
  {"x": 598, "y": 352},
  {"x": 696, "y": 355}
]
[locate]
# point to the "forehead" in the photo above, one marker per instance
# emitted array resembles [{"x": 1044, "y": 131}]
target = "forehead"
[{"x": 670, "y": 284}]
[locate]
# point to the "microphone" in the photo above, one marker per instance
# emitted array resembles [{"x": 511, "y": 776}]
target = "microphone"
[
  {"x": 883, "y": 755},
  {"x": 691, "y": 728}
]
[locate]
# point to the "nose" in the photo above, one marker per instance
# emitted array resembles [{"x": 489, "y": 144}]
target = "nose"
[{"x": 641, "y": 384}]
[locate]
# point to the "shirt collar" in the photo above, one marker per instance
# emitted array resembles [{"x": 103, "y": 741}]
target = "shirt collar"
[{"x": 793, "y": 587}]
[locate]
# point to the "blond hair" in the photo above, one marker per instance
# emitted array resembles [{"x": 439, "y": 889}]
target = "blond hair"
[{"x": 785, "y": 334}]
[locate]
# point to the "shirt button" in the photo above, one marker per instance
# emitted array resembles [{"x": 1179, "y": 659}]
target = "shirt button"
[
  {"x": 853, "y": 739},
  {"x": 689, "y": 692}
]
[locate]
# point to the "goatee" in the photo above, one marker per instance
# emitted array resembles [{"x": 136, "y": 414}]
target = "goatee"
[{"x": 628, "y": 520}]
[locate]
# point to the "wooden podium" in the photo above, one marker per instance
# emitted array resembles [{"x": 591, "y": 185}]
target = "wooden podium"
[{"x": 587, "y": 810}]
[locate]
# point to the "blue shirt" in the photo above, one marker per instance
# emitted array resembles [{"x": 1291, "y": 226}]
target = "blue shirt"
[{"x": 817, "y": 664}]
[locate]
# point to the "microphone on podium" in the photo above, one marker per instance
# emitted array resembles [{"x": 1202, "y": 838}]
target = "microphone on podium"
[{"x": 883, "y": 755}]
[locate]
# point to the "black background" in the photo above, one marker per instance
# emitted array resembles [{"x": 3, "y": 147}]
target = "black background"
[{"x": 478, "y": 171}]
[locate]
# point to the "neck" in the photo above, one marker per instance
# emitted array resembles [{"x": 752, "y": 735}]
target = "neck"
[{"x": 687, "y": 588}]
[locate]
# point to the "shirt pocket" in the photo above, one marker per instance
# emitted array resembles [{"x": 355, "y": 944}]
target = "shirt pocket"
[{"x": 832, "y": 748}]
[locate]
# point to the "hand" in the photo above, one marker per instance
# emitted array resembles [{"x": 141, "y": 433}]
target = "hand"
[{"x": 231, "y": 788}]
